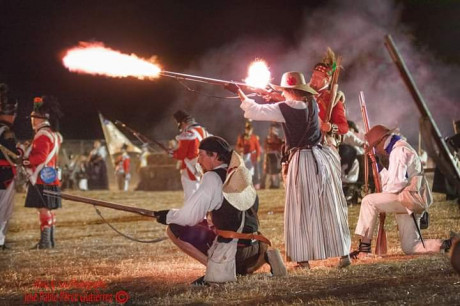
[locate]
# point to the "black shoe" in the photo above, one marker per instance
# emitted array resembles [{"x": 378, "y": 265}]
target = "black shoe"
[
  {"x": 4, "y": 247},
  {"x": 363, "y": 248},
  {"x": 447, "y": 244},
  {"x": 199, "y": 282}
]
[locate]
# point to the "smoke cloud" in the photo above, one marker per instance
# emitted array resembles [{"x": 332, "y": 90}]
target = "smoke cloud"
[{"x": 353, "y": 29}]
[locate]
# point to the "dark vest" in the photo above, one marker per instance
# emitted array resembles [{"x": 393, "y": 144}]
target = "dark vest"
[
  {"x": 302, "y": 125},
  {"x": 228, "y": 218},
  {"x": 8, "y": 140}
]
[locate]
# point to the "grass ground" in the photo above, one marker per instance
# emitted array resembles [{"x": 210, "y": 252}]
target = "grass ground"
[{"x": 93, "y": 264}]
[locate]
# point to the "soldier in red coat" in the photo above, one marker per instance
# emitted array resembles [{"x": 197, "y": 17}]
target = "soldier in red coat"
[
  {"x": 248, "y": 146},
  {"x": 320, "y": 81},
  {"x": 187, "y": 150},
  {"x": 41, "y": 164},
  {"x": 123, "y": 168}
]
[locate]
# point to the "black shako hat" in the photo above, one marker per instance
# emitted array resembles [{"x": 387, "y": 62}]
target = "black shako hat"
[
  {"x": 181, "y": 116},
  {"x": 7, "y": 107},
  {"x": 215, "y": 144}
]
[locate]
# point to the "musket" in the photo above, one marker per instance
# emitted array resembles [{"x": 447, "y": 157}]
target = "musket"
[
  {"x": 381, "y": 245},
  {"x": 194, "y": 78},
  {"x": 437, "y": 150},
  {"x": 8, "y": 152},
  {"x": 334, "y": 88},
  {"x": 141, "y": 137},
  {"x": 136, "y": 210}
]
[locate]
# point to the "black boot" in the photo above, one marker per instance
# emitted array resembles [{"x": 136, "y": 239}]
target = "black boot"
[
  {"x": 45, "y": 239},
  {"x": 363, "y": 248}
]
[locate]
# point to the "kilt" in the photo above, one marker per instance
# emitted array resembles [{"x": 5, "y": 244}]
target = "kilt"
[
  {"x": 36, "y": 199},
  {"x": 273, "y": 163}
]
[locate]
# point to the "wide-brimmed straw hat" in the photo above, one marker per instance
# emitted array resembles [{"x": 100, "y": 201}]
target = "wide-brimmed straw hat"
[
  {"x": 238, "y": 189},
  {"x": 376, "y": 134},
  {"x": 294, "y": 80}
]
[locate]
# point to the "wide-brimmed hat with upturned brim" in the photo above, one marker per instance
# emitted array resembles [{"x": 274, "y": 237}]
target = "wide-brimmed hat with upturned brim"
[
  {"x": 238, "y": 189},
  {"x": 294, "y": 80},
  {"x": 376, "y": 134}
]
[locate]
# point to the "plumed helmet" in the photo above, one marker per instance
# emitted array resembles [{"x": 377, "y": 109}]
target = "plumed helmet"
[
  {"x": 328, "y": 64},
  {"x": 7, "y": 107},
  {"x": 48, "y": 108}
]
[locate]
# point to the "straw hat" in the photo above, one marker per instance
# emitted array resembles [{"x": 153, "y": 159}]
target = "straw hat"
[
  {"x": 238, "y": 189},
  {"x": 294, "y": 80},
  {"x": 376, "y": 134}
]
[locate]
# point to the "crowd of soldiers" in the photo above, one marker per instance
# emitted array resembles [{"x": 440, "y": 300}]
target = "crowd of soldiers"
[{"x": 218, "y": 223}]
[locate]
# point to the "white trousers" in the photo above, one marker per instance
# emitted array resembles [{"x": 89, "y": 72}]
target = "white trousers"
[
  {"x": 123, "y": 181},
  {"x": 375, "y": 203},
  {"x": 189, "y": 186},
  {"x": 6, "y": 209}
]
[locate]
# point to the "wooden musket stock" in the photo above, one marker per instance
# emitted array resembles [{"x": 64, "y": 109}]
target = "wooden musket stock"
[
  {"x": 381, "y": 244},
  {"x": 136, "y": 210}
]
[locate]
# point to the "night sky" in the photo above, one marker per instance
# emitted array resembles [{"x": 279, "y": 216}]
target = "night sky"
[{"x": 183, "y": 35}]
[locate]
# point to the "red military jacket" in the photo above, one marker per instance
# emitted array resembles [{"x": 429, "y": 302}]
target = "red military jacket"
[
  {"x": 188, "y": 147},
  {"x": 42, "y": 148},
  {"x": 273, "y": 143},
  {"x": 123, "y": 163},
  {"x": 338, "y": 116},
  {"x": 245, "y": 145}
]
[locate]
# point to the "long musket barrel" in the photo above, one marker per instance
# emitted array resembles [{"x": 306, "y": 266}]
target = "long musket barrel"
[
  {"x": 441, "y": 156},
  {"x": 136, "y": 210},
  {"x": 381, "y": 244},
  {"x": 141, "y": 137},
  {"x": 195, "y": 78}
]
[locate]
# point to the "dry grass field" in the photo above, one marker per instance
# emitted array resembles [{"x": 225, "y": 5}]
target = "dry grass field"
[{"x": 93, "y": 264}]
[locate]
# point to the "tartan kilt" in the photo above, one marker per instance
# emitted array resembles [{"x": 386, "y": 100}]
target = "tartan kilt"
[{"x": 36, "y": 199}]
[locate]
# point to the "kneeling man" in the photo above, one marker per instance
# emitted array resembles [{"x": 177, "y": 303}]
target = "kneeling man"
[
  {"x": 405, "y": 192},
  {"x": 218, "y": 224}
]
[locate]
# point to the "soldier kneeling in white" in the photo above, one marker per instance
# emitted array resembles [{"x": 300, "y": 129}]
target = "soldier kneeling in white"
[
  {"x": 405, "y": 192},
  {"x": 218, "y": 224}
]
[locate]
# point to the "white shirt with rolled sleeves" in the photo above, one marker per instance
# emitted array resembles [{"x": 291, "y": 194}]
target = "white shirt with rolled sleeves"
[
  {"x": 267, "y": 112},
  {"x": 208, "y": 197}
]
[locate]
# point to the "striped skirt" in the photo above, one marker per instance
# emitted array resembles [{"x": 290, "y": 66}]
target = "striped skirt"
[{"x": 316, "y": 214}]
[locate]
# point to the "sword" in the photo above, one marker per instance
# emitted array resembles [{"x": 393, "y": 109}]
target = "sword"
[{"x": 418, "y": 229}]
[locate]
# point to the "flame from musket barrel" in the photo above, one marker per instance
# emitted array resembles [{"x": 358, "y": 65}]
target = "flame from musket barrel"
[
  {"x": 259, "y": 75},
  {"x": 94, "y": 58}
]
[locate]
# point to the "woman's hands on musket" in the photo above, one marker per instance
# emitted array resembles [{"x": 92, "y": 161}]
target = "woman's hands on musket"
[{"x": 236, "y": 89}]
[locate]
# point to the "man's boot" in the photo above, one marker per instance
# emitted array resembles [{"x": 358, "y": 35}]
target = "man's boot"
[
  {"x": 46, "y": 221},
  {"x": 45, "y": 238}
]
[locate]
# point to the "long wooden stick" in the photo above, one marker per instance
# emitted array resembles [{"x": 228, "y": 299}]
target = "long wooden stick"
[
  {"x": 381, "y": 245},
  {"x": 66, "y": 196}
]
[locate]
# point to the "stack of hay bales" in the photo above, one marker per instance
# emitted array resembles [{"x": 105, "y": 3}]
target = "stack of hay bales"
[{"x": 161, "y": 174}]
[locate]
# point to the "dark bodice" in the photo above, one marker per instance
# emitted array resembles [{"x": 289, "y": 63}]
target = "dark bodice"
[{"x": 302, "y": 125}]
